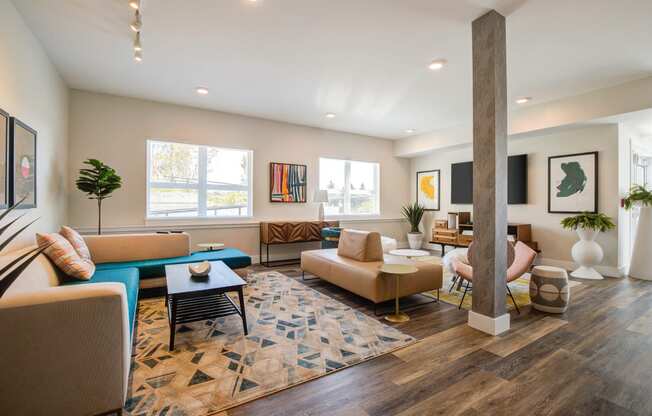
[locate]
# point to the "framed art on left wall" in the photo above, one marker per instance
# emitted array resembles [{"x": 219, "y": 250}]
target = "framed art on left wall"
[
  {"x": 22, "y": 162},
  {"x": 4, "y": 156}
]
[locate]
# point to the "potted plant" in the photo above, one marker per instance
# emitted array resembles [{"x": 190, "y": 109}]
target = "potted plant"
[
  {"x": 587, "y": 252},
  {"x": 641, "y": 264},
  {"x": 98, "y": 182},
  {"x": 414, "y": 214}
]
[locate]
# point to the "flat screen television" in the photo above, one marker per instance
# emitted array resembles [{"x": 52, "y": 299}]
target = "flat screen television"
[{"x": 462, "y": 181}]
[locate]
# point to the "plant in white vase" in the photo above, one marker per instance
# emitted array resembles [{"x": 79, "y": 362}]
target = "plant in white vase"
[
  {"x": 414, "y": 214},
  {"x": 640, "y": 266},
  {"x": 587, "y": 252}
]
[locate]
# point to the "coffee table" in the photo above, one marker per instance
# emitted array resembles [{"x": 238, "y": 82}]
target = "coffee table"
[{"x": 192, "y": 299}]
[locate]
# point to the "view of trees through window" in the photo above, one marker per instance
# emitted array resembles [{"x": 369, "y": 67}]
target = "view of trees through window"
[
  {"x": 198, "y": 181},
  {"x": 353, "y": 187}
]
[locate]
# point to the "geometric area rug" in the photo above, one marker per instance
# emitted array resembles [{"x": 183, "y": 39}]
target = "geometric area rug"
[{"x": 295, "y": 334}]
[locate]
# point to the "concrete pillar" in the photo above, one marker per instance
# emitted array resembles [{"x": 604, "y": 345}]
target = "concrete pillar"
[{"x": 489, "y": 174}]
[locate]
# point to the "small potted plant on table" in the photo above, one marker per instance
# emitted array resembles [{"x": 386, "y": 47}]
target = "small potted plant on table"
[
  {"x": 587, "y": 252},
  {"x": 414, "y": 214}
]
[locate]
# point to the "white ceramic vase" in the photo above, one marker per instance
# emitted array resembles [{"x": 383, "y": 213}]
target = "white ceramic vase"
[
  {"x": 415, "y": 240},
  {"x": 641, "y": 264},
  {"x": 588, "y": 254}
]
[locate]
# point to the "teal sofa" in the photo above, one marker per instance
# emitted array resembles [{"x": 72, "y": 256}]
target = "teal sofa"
[{"x": 131, "y": 272}]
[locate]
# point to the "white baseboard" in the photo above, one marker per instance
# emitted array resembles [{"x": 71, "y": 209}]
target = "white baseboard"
[
  {"x": 608, "y": 271},
  {"x": 492, "y": 326}
]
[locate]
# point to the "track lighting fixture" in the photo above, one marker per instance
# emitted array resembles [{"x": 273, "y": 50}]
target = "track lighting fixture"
[
  {"x": 134, "y": 4},
  {"x": 137, "y": 24},
  {"x": 138, "y": 56},
  {"x": 137, "y": 45}
]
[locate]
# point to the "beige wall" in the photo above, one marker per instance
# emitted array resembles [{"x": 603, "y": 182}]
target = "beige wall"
[
  {"x": 555, "y": 242},
  {"x": 115, "y": 129},
  {"x": 32, "y": 91}
]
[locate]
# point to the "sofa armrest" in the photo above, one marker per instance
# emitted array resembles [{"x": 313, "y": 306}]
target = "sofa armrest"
[
  {"x": 64, "y": 350},
  {"x": 134, "y": 247}
]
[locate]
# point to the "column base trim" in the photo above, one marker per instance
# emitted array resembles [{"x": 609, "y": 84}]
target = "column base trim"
[{"x": 488, "y": 325}]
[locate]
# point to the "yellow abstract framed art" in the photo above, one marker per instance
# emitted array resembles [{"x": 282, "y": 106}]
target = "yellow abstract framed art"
[{"x": 429, "y": 189}]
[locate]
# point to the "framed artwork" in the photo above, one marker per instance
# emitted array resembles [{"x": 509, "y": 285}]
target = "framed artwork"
[
  {"x": 287, "y": 182},
  {"x": 22, "y": 161},
  {"x": 4, "y": 156},
  {"x": 573, "y": 183},
  {"x": 429, "y": 189}
]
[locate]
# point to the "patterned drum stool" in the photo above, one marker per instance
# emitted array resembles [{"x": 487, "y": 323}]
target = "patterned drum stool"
[
  {"x": 330, "y": 237},
  {"x": 549, "y": 289}
]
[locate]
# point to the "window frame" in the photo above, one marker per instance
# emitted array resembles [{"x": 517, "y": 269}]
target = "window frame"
[
  {"x": 202, "y": 186},
  {"x": 347, "y": 187}
]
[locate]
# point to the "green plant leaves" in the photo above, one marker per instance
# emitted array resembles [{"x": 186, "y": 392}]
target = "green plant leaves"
[
  {"x": 414, "y": 214},
  {"x": 98, "y": 181},
  {"x": 638, "y": 194},
  {"x": 591, "y": 221}
]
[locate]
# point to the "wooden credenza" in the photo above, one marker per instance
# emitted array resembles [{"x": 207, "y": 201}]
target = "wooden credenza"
[{"x": 288, "y": 232}]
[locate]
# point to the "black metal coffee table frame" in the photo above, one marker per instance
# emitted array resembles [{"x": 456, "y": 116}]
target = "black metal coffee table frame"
[{"x": 199, "y": 305}]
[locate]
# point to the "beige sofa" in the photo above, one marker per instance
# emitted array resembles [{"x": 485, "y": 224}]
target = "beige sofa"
[
  {"x": 355, "y": 264},
  {"x": 66, "y": 350}
]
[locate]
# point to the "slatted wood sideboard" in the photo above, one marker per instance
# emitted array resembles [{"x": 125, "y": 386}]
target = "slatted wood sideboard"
[{"x": 289, "y": 232}]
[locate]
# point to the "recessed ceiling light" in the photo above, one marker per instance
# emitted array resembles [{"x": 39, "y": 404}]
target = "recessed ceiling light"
[
  {"x": 138, "y": 56},
  {"x": 437, "y": 64},
  {"x": 329, "y": 115},
  {"x": 410, "y": 131},
  {"x": 202, "y": 90},
  {"x": 523, "y": 100},
  {"x": 134, "y": 4}
]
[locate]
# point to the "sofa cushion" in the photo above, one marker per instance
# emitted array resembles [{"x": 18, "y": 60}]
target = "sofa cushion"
[
  {"x": 127, "y": 276},
  {"x": 136, "y": 247},
  {"x": 77, "y": 241},
  {"x": 360, "y": 245},
  {"x": 64, "y": 256},
  {"x": 232, "y": 257}
]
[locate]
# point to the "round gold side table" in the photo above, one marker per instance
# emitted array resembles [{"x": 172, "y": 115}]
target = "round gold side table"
[{"x": 397, "y": 270}]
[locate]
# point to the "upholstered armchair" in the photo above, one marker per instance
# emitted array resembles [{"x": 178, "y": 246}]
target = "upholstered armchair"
[{"x": 519, "y": 257}]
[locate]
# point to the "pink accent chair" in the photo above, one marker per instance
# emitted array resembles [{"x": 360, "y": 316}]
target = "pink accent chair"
[{"x": 520, "y": 258}]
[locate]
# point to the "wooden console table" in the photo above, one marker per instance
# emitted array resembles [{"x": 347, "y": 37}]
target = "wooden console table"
[{"x": 289, "y": 232}]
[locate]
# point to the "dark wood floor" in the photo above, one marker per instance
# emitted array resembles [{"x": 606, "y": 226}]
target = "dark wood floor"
[{"x": 594, "y": 360}]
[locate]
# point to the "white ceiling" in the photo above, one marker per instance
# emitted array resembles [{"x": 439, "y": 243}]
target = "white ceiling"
[{"x": 366, "y": 60}]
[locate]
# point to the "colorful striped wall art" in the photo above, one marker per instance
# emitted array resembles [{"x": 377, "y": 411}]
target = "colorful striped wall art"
[{"x": 287, "y": 182}]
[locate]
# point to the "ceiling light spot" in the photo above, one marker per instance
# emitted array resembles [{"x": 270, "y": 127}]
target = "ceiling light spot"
[
  {"x": 330, "y": 115},
  {"x": 137, "y": 45},
  {"x": 201, "y": 90},
  {"x": 137, "y": 24},
  {"x": 523, "y": 100},
  {"x": 437, "y": 64},
  {"x": 410, "y": 131},
  {"x": 138, "y": 56},
  {"x": 134, "y": 4}
]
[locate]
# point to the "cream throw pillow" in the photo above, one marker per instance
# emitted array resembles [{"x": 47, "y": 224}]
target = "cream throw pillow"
[
  {"x": 65, "y": 257},
  {"x": 77, "y": 241}
]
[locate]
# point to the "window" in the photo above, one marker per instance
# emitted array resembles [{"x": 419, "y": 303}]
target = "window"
[
  {"x": 353, "y": 187},
  {"x": 197, "y": 181}
]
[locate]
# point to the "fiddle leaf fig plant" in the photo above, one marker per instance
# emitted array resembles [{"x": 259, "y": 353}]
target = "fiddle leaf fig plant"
[
  {"x": 414, "y": 214},
  {"x": 587, "y": 220},
  {"x": 638, "y": 195},
  {"x": 98, "y": 182}
]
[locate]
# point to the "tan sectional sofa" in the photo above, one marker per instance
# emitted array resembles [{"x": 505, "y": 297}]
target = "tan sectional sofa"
[{"x": 355, "y": 264}]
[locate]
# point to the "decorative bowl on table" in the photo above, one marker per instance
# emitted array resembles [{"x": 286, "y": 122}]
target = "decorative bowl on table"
[{"x": 199, "y": 269}]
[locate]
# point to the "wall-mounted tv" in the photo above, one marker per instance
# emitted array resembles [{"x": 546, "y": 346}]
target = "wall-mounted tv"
[{"x": 462, "y": 181}]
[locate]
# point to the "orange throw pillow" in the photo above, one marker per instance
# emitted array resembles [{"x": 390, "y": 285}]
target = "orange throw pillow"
[
  {"x": 77, "y": 241},
  {"x": 65, "y": 257}
]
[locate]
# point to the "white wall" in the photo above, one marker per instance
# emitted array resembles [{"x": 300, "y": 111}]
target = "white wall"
[
  {"x": 115, "y": 129},
  {"x": 554, "y": 242},
  {"x": 32, "y": 91}
]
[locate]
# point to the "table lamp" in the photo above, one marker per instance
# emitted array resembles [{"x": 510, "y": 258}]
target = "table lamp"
[{"x": 321, "y": 197}]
